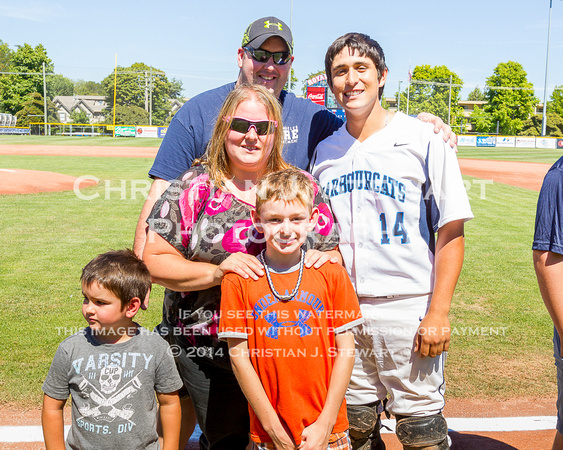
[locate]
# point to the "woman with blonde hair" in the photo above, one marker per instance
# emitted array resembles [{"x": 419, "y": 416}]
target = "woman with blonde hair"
[{"x": 201, "y": 229}]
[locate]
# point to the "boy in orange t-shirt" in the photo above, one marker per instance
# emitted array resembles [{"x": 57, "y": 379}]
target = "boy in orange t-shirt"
[{"x": 292, "y": 353}]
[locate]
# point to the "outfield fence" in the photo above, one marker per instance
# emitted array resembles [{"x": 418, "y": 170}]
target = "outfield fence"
[
  {"x": 14, "y": 130},
  {"x": 140, "y": 131},
  {"x": 510, "y": 141},
  {"x": 97, "y": 129}
]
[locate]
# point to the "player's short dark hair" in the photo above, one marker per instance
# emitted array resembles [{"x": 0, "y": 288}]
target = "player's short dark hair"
[
  {"x": 121, "y": 272},
  {"x": 364, "y": 46}
]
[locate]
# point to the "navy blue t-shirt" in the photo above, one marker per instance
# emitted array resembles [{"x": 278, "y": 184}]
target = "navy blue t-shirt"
[
  {"x": 305, "y": 124},
  {"x": 549, "y": 215}
]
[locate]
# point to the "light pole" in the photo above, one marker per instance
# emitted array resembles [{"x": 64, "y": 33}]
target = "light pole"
[
  {"x": 291, "y": 15},
  {"x": 544, "y": 117}
]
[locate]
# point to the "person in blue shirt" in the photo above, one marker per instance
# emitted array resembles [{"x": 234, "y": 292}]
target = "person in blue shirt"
[{"x": 548, "y": 262}]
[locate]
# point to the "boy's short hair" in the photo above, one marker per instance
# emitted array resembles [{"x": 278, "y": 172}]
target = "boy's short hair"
[
  {"x": 364, "y": 46},
  {"x": 288, "y": 185},
  {"x": 121, "y": 273}
]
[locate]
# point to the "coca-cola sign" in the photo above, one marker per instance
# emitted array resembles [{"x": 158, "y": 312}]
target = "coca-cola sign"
[{"x": 316, "y": 95}]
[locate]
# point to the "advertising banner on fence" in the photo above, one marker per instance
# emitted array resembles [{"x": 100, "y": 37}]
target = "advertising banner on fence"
[
  {"x": 146, "y": 132},
  {"x": 11, "y": 130},
  {"x": 467, "y": 141},
  {"x": 316, "y": 95},
  {"x": 486, "y": 141},
  {"x": 545, "y": 142},
  {"x": 525, "y": 142},
  {"x": 506, "y": 141},
  {"x": 560, "y": 143},
  {"x": 162, "y": 131},
  {"x": 127, "y": 131}
]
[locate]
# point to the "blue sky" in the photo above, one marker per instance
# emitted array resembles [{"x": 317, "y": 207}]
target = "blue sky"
[{"x": 196, "y": 41}]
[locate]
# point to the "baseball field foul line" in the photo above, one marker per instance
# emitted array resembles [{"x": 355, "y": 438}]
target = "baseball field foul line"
[{"x": 488, "y": 424}]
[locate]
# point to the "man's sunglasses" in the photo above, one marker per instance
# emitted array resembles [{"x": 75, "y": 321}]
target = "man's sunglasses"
[
  {"x": 243, "y": 126},
  {"x": 262, "y": 56}
]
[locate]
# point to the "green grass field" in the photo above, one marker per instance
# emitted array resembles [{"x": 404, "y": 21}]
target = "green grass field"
[{"x": 501, "y": 343}]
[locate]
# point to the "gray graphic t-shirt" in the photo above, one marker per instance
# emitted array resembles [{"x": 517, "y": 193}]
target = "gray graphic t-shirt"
[{"x": 113, "y": 388}]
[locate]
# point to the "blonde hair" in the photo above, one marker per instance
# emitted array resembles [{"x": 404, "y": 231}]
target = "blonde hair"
[
  {"x": 216, "y": 157},
  {"x": 288, "y": 185}
]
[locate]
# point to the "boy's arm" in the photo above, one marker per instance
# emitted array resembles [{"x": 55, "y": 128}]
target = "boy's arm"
[
  {"x": 316, "y": 435},
  {"x": 434, "y": 330},
  {"x": 256, "y": 395},
  {"x": 171, "y": 419},
  {"x": 53, "y": 423}
]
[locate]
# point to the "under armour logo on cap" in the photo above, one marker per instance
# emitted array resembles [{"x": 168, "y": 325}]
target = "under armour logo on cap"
[
  {"x": 268, "y": 24},
  {"x": 262, "y": 29}
]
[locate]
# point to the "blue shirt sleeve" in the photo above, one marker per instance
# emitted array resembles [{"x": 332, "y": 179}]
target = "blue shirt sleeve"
[
  {"x": 548, "y": 234},
  {"x": 188, "y": 134}
]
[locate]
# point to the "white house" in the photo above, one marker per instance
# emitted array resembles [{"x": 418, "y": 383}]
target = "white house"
[{"x": 92, "y": 105}]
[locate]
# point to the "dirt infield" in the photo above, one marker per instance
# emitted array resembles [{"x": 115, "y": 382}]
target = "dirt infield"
[
  {"x": 78, "y": 150},
  {"x": 519, "y": 174},
  {"x": 18, "y": 181}
]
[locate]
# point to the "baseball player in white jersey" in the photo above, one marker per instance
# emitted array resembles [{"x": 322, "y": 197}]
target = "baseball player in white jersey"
[{"x": 393, "y": 184}]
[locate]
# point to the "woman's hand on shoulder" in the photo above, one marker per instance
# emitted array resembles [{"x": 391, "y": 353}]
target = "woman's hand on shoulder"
[{"x": 242, "y": 264}]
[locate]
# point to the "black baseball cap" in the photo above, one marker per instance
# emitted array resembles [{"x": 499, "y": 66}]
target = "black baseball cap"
[{"x": 260, "y": 30}]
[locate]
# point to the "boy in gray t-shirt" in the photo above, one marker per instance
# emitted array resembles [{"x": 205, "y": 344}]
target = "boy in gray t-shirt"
[{"x": 113, "y": 368}]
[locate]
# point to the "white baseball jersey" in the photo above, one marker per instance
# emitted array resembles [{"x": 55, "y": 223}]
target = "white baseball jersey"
[{"x": 389, "y": 195}]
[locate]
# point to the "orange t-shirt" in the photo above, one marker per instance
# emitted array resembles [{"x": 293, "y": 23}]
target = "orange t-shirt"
[{"x": 291, "y": 343}]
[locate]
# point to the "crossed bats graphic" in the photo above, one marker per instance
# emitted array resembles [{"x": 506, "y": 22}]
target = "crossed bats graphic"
[{"x": 100, "y": 399}]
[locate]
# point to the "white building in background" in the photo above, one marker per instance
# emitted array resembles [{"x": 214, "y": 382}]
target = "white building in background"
[{"x": 92, "y": 105}]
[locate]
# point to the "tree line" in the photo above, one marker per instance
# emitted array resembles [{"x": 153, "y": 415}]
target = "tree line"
[{"x": 143, "y": 92}]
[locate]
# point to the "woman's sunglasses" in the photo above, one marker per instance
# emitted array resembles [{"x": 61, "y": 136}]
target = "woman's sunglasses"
[
  {"x": 262, "y": 56},
  {"x": 243, "y": 126}
]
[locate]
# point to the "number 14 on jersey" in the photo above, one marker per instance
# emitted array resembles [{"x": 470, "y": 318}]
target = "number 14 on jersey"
[{"x": 399, "y": 229}]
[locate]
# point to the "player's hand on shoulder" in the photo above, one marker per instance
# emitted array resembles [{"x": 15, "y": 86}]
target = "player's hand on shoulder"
[
  {"x": 316, "y": 258},
  {"x": 439, "y": 125}
]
